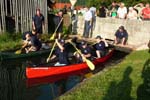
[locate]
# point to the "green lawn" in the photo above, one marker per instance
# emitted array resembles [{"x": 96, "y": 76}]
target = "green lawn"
[{"x": 129, "y": 80}]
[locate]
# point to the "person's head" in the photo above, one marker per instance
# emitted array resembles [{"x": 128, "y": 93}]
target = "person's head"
[
  {"x": 122, "y": 4},
  {"x": 74, "y": 39},
  {"x": 28, "y": 37},
  {"x": 84, "y": 44},
  {"x": 61, "y": 41},
  {"x": 121, "y": 28},
  {"x": 38, "y": 12},
  {"x": 113, "y": 3},
  {"x": 98, "y": 38},
  {"x": 147, "y": 5},
  {"x": 60, "y": 13},
  {"x": 131, "y": 9}
]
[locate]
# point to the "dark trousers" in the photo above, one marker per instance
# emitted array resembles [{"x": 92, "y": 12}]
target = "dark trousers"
[{"x": 86, "y": 29}]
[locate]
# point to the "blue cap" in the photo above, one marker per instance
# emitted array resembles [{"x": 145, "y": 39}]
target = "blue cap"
[
  {"x": 61, "y": 41},
  {"x": 83, "y": 42}
]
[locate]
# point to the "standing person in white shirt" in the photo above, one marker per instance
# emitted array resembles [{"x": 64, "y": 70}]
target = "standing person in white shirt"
[
  {"x": 93, "y": 11},
  {"x": 122, "y": 11},
  {"x": 132, "y": 14},
  {"x": 87, "y": 23}
]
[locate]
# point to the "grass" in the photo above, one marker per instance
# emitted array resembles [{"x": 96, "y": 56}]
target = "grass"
[
  {"x": 13, "y": 41},
  {"x": 10, "y": 41},
  {"x": 129, "y": 80}
]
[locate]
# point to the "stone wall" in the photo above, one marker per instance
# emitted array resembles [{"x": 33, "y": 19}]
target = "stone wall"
[{"x": 139, "y": 31}]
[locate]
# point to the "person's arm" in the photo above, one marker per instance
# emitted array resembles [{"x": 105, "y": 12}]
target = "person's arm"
[
  {"x": 106, "y": 44},
  {"x": 98, "y": 54},
  {"x": 59, "y": 45},
  {"x": 53, "y": 57},
  {"x": 87, "y": 55},
  {"x": 33, "y": 24},
  {"x": 43, "y": 23},
  {"x": 123, "y": 41}
]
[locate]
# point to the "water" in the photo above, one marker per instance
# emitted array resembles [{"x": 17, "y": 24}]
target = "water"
[{"x": 13, "y": 84}]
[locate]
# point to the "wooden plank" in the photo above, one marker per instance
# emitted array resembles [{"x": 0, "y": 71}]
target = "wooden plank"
[{"x": 3, "y": 16}]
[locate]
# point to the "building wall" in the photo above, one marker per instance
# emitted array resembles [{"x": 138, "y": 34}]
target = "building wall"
[
  {"x": 139, "y": 31},
  {"x": 19, "y": 13}
]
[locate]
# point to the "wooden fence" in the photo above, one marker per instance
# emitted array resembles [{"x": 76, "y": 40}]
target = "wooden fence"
[{"x": 19, "y": 13}]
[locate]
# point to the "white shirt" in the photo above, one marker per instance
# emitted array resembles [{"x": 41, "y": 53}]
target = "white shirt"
[
  {"x": 93, "y": 9},
  {"x": 122, "y": 12},
  {"x": 88, "y": 16}
]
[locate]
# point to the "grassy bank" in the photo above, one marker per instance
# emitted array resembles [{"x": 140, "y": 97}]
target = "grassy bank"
[
  {"x": 10, "y": 41},
  {"x": 129, "y": 80},
  {"x": 13, "y": 41}
]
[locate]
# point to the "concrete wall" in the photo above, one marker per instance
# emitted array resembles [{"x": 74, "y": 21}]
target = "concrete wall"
[{"x": 139, "y": 31}]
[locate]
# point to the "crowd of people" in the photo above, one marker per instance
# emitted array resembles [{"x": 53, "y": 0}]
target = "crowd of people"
[{"x": 119, "y": 10}]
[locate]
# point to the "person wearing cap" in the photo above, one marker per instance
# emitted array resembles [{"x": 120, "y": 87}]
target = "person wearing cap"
[
  {"x": 38, "y": 22},
  {"x": 61, "y": 53},
  {"x": 85, "y": 50},
  {"x": 26, "y": 37},
  {"x": 100, "y": 47},
  {"x": 121, "y": 36},
  {"x": 32, "y": 33},
  {"x": 31, "y": 43}
]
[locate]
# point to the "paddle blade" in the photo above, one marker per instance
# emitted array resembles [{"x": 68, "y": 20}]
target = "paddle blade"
[
  {"x": 90, "y": 64},
  {"x": 18, "y": 52},
  {"x": 52, "y": 37}
]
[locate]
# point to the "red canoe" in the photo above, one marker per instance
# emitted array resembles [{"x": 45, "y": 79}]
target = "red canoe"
[{"x": 52, "y": 74}]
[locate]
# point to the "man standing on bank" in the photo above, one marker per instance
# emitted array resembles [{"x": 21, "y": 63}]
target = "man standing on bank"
[
  {"x": 38, "y": 22},
  {"x": 87, "y": 23}
]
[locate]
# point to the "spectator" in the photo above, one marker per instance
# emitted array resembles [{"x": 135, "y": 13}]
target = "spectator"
[
  {"x": 121, "y": 36},
  {"x": 102, "y": 11},
  {"x": 132, "y": 14},
  {"x": 58, "y": 20},
  {"x": 93, "y": 11},
  {"x": 74, "y": 19},
  {"x": 122, "y": 11},
  {"x": 146, "y": 12},
  {"x": 113, "y": 9},
  {"x": 38, "y": 22},
  {"x": 139, "y": 7},
  {"x": 65, "y": 9},
  {"x": 87, "y": 24}
]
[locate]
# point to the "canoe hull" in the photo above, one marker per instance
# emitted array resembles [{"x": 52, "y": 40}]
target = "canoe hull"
[
  {"x": 12, "y": 56},
  {"x": 53, "y": 74}
]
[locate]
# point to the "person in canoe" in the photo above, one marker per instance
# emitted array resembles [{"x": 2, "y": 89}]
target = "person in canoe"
[
  {"x": 86, "y": 52},
  {"x": 32, "y": 33},
  {"x": 121, "y": 36},
  {"x": 61, "y": 53},
  {"x": 31, "y": 43},
  {"x": 100, "y": 47}
]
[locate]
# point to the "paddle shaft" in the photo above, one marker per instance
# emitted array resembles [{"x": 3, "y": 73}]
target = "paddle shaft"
[
  {"x": 57, "y": 27},
  {"x": 51, "y": 51},
  {"x": 78, "y": 50}
]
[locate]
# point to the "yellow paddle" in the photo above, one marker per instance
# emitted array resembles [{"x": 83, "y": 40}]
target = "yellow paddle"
[
  {"x": 89, "y": 63},
  {"x": 51, "y": 52},
  {"x": 53, "y": 36},
  {"x": 18, "y": 51}
]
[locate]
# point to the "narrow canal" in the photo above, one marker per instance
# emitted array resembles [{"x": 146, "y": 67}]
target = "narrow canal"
[{"x": 13, "y": 84}]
